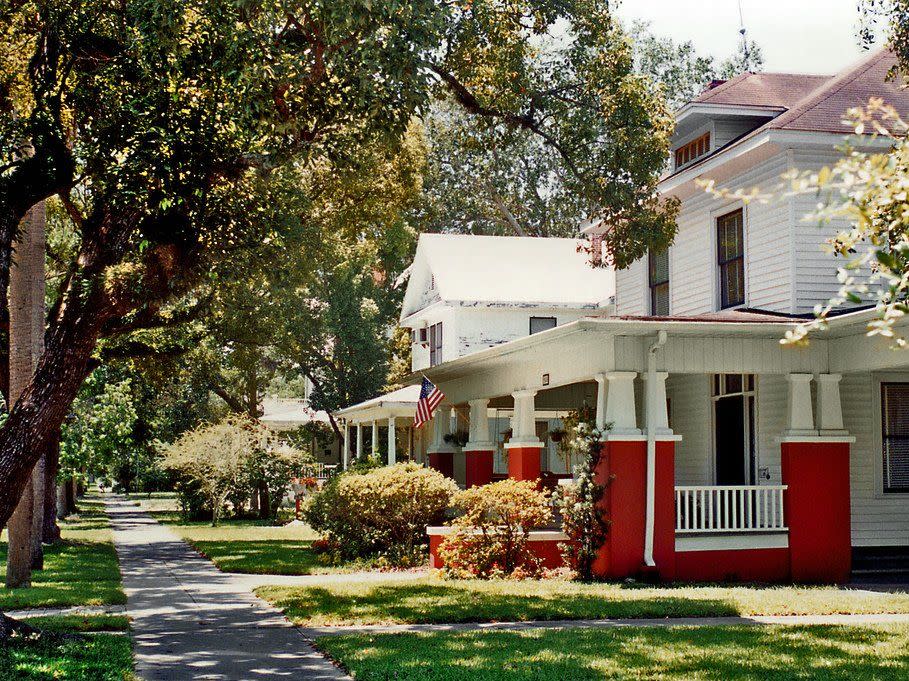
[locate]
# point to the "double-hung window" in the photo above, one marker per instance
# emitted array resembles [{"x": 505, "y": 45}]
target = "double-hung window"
[
  {"x": 435, "y": 344},
  {"x": 730, "y": 240},
  {"x": 895, "y": 436},
  {"x": 658, "y": 280}
]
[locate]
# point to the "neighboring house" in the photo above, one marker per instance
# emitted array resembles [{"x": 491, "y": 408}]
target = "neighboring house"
[
  {"x": 733, "y": 457},
  {"x": 285, "y": 414},
  {"x": 466, "y": 294}
]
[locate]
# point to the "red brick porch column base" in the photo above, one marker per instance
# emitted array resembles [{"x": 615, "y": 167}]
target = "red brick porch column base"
[
  {"x": 442, "y": 462},
  {"x": 625, "y": 502},
  {"x": 477, "y": 467},
  {"x": 523, "y": 461},
  {"x": 817, "y": 510}
]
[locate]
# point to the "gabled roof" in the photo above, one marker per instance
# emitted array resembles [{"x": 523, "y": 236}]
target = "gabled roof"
[
  {"x": 770, "y": 90},
  {"x": 507, "y": 270},
  {"x": 821, "y": 109}
]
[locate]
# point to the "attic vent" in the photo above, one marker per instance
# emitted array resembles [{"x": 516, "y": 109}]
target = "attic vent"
[{"x": 692, "y": 150}]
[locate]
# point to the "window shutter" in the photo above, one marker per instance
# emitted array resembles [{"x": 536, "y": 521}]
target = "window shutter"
[{"x": 895, "y": 436}]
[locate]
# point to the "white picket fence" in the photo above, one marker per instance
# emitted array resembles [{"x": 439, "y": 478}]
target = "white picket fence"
[{"x": 733, "y": 508}]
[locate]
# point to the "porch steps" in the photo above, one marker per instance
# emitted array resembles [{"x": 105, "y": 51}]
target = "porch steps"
[{"x": 880, "y": 563}]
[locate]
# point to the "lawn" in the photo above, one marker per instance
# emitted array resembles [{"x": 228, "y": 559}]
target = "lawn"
[
  {"x": 79, "y": 623},
  {"x": 94, "y": 657},
  {"x": 247, "y": 546},
  {"x": 433, "y": 600},
  {"x": 82, "y": 569},
  {"x": 723, "y": 653}
]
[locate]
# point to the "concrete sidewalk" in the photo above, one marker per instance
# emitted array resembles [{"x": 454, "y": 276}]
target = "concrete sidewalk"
[{"x": 191, "y": 621}]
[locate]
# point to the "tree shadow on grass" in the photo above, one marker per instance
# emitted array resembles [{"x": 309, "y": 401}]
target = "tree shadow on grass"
[
  {"x": 268, "y": 557},
  {"x": 670, "y": 653},
  {"x": 443, "y": 603}
]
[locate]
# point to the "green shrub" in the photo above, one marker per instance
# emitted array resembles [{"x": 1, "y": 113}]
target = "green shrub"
[
  {"x": 492, "y": 531},
  {"x": 382, "y": 512}
]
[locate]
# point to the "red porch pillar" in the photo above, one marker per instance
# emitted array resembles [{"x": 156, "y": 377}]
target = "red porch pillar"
[
  {"x": 478, "y": 464},
  {"x": 817, "y": 509},
  {"x": 623, "y": 467},
  {"x": 442, "y": 461},
  {"x": 524, "y": 461}
]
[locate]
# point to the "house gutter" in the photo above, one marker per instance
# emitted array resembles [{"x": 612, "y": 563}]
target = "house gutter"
[{"x": 659, "y": 342}]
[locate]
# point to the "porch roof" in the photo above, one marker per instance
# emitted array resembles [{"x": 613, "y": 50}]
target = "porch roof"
[
  {"x": 728, "y": 341},
  {"x": 398, "y": 403}
]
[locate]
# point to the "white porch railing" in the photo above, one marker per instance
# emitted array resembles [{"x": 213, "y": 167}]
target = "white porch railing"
[{"x": 739, "y": 508}]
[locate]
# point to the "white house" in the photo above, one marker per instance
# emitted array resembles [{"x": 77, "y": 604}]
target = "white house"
[
  {"x": 466, "y": 294},
  {"x": 734, "y": 457}
]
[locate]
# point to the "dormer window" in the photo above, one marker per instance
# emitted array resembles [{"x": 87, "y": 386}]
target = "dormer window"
[{"x": 692, "y": 150}]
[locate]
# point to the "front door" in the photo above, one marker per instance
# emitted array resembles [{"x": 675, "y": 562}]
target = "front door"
[{"x": 733, "y": 422}]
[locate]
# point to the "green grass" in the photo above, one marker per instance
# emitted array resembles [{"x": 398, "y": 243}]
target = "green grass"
[
  {"x": 97, "y": 657},
  {"x": 247, "y": 546},
  {"x": 82, "y": 569},
  {"x": 434, "y": 600},
  {"x": 79, "y": 623},
  {"x": 722, "y": 653}
]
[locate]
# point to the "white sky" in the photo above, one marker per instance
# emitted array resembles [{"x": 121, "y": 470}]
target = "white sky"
[{"x": 800, "y": 36}]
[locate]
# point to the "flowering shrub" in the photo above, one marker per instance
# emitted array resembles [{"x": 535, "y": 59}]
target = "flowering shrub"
[
  {"x": 491, "y": 533},
  {"x": 583, "y": 518},
  {"x": 381, "y": 513}
]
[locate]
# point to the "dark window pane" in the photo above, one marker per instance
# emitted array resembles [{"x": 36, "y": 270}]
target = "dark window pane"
[
  {"x": 895, "y": 436},
  {"x": 538, "y": 324},
  {"x": 659, "y": 300},
  {"x": 733, "y": 383}
]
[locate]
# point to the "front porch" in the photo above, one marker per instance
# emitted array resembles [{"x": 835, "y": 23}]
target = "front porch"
[{"x": 730, "y": 455}]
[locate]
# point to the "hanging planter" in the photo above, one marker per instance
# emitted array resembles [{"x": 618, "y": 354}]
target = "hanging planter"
[{"x": 557, "y": 435}]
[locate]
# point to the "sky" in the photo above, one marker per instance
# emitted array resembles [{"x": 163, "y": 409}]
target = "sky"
[{"x": 796, "y": 36}]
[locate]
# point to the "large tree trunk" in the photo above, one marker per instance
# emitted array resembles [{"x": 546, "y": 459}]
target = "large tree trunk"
[
  {"x": 51, "y": 531},
  {"x": 25, "y": 308}
]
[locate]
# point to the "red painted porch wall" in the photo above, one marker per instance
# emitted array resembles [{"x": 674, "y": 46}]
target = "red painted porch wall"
[
  {"x": 817, "y": 510},
  {"x": 747, "y": 565},
  {"x": 625, "y": 463},
  {"x": 442, "y": 462},
  {"x": 477, "y": 467}
]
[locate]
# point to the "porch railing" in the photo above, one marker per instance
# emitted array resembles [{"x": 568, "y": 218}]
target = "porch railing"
[{"x": 739, "y": 508}]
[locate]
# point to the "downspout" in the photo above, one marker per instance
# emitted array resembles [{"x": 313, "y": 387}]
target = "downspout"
[{"x": 651, "y": 446}]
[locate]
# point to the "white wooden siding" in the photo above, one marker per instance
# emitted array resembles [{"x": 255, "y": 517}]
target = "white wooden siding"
[
  {"x": 632, "y": 289},
  {"x": 877, "y": 519},
  {"x": 689, "y": 399},
  {"x": 771, "y": 421}
]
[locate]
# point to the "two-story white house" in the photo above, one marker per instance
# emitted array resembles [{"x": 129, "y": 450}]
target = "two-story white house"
[
  {"x": 733, "y": 456},
  {"x": 467, "y": 293}
]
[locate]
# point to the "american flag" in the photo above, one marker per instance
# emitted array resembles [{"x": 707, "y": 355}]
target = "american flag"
[{"x": 430, "y": 398}]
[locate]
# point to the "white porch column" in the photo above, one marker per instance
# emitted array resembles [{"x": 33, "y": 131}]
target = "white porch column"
[
  {"x": 829, "y": 406},
  {"x": 524, "y": 431},
  {"x": 359, "y": 441},
  {"x": 479, "y": 425},
  {"x": 375, "y": 438},
  {"x": 392, "y": 453},
  {"x": 345, "y": 452},
  {"x": 620, "y": 410},
  {"x": 800, "y": 417},
  {"x": 657, "y": 413},
  {"x": 602, "y": 389}
]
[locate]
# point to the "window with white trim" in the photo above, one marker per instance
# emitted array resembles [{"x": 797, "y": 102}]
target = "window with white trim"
[
  {"x": 895, "y": 436},
  {"x": 435, "y": 344},
  {"x": 658, "y": 280},
  {"x": 730, "y": 242}
]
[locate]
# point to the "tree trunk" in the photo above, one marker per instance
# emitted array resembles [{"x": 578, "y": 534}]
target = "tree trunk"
[
  {"x": 26, "y": 523},
  {"x": 71, "y": 494},
  {"x": 62, "y": 505},
  {"x": 51, "y": 531},
  {"x": 264, "y": 506}
]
